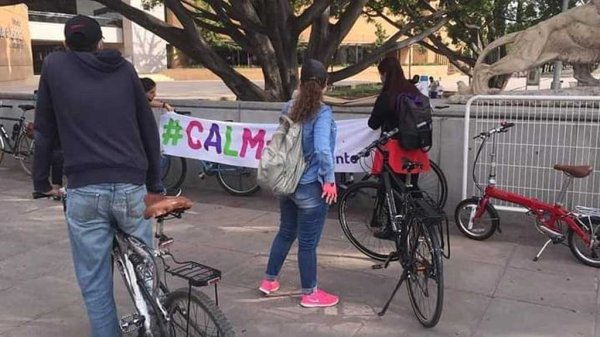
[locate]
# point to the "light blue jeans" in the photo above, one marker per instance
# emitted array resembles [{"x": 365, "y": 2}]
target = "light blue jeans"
[
  {"x": 302, "y": 216},
  {"x": 93, "y": 212}
]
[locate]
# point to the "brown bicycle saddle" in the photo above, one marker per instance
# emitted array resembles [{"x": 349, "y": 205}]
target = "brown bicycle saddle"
[
  {"x": 575, "y": 171},
  {"x": 160, "y": 205}
]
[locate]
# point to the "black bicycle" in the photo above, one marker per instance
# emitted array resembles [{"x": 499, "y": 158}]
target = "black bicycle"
[
  {"x": 19, "y": 143},
  {"x": 417, "y": 236}
]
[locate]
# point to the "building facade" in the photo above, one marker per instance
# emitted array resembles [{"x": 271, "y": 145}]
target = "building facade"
[{"x": 46, "y": 21}]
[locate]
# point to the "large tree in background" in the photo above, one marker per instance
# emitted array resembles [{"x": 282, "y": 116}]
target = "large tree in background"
[
  {"x": 473, "y": 23},
  {"x": 270, "y": 31}
]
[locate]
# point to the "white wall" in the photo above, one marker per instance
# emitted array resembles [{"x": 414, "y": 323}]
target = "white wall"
[
  {"x": 87, "y": 7},
  {"x": 146, "y": 51},
  {"x": 44, "y": 31}
]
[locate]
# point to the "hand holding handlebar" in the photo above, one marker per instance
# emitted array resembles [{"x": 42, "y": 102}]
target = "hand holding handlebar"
[{"x": 380, "y": 141}]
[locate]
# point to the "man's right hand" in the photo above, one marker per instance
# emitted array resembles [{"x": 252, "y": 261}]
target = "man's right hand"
[{"x": 54, "y": 192}]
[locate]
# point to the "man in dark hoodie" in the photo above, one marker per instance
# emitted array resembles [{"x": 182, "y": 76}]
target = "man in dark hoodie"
[{"x": 93, "y": 101}]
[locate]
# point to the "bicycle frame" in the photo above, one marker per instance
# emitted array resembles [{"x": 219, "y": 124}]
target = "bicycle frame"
[
  {"x": 534, "y": 206},
  {"x": 404, "y": 189},
  {"x": 11, "y": 141},
  {"x": 124, "y": 248}
]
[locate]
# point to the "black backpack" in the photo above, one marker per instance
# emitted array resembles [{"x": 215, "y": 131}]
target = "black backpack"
[{"x": 415, "y": 122}]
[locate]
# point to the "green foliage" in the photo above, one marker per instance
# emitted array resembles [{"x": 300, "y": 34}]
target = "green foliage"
[
  {"x": 380, "y": 33},
  {"x": 356, "y": 91},
  {"x": 475, "y": 23},
  {"x": 150, "y": 4}
]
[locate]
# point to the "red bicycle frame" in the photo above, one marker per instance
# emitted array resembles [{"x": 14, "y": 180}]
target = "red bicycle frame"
[{"x": 536, "y": 207}]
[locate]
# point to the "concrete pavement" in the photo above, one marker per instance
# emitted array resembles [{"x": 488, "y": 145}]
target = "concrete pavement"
[{"x": 492, "y": 288}]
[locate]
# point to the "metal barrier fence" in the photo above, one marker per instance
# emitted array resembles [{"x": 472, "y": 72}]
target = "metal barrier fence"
[{"x": 549, "y": 130}]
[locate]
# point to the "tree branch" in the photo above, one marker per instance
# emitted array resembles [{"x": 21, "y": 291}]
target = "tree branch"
[
  {"x": 464, "y": 68},
  {"x": 310, "y": 14},
  {"x": 387, "y": 47},
  {"x": 242, "y": 12}
]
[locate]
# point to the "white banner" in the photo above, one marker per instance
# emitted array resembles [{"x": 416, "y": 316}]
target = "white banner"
[{"x": 241, "y": 144}]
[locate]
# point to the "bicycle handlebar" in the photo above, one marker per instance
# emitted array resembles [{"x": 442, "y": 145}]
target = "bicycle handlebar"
[
  {"x": 5, "y": 106},
  {"x": 504, "y": 126},
  {"x": 183, "y": 113},
  {"x": 380, "y": 141}
]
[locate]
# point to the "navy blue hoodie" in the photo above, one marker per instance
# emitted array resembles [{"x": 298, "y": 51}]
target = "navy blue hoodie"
[{"x": 95, "y": 104}]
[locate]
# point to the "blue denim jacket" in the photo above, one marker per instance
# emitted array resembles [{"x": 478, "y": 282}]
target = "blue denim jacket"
[{"x": 318, "y": 144}]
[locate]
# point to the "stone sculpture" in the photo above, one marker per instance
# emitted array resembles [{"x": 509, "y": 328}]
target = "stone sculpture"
[{"x": 572, "y": 37}]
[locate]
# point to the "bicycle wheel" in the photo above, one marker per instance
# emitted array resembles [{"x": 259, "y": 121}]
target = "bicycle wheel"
[
  {"x": 1, "y": 148},
  {"x": 172, "y": 171},
  {"x": 195, "y": 314},
  {"x": 238, "y": 181},
  {"x": 585, "y": 254},
  {"x": 362, "y": 212},
  {"x": 25, "y": 148},
  {"x": 434, "y": 183},
  {"x": 479, "y": 229},
  {"x": 425, "y": 279}
]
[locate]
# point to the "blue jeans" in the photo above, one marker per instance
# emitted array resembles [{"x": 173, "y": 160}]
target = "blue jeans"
[
  {"x": 93, "y": 213},
  {"x": 302, "y": 216}
]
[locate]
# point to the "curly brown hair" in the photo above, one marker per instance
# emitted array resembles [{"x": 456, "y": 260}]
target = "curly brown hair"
[{"x": 308, "y": 102}]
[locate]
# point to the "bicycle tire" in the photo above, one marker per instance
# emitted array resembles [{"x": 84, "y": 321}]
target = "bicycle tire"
[
  {"x": 440, "y": 194},
  {"x": 431, "y": 270},
  {"x": 245, "y": 177},
  {"x": 463, "y": 224},
  {"x": 433, "y": 182},
  {"x": 173, "y": 172},
  {"x": 572, "y": 238},
  {"x": 25, "y": 147},
  {"x": 2, "y": 148},
  {"x": 177, "y": 302},
  {"x": 373, "y": 247}
]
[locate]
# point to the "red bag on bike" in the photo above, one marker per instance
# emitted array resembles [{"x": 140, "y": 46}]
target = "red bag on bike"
[{"x": 398, "y": 156}]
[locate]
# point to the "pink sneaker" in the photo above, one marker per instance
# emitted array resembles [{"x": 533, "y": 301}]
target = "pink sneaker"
[
  {"x": 319, "y": 299},
  {"x": 269, "y": 287}
]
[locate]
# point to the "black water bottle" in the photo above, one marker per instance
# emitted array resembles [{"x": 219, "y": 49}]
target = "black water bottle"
[{"x": 15, "y": 132}]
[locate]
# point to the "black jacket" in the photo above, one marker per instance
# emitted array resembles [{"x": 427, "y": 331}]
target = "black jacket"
[
  {"x": 95, "y": 104},
  {"x": 383, "y": 115}
]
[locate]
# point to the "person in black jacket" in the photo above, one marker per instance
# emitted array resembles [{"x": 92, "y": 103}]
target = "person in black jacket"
[
  {"x": 93, "y": 101},
  {"x": 385, "y": 116}
]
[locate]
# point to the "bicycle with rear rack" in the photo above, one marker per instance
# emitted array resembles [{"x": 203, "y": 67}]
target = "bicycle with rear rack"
[
  {"x": 158, "y": 310},
  {"x": 238, "y": 181},
  {"x": 477, "y": 218},
  {"x": 417, "y": 236},
  {"x": 433, "y": 181},
  {"x": 19, "y": 143}
]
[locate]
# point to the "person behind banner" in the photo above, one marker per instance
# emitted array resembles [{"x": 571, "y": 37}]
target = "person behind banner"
[
  {"x": 385, "y": 117},
  {"x": 303, "y": 213},
  {"x": 150, "y": 89}
]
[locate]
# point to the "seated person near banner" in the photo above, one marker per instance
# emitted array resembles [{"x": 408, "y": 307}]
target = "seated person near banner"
[
  {"x": 385, "y": 116},
  {"x": 150, "y": 89}
]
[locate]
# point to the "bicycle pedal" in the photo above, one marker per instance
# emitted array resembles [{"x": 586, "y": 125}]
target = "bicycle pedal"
[
  {"x": 131, "y": 323},
  {"x": 165, "y": 242}
]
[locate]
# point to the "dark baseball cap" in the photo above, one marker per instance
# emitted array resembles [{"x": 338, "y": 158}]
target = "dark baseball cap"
[
  {"x": 313, "y": 70},
  {"x": 82, "y": 31}
]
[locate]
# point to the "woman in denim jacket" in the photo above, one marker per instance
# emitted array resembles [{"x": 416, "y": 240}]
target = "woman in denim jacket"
[{"x": 303, "y": 213}]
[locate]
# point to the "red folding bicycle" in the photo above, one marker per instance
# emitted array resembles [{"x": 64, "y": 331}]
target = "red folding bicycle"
[{"x": 478, "y": 219}]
